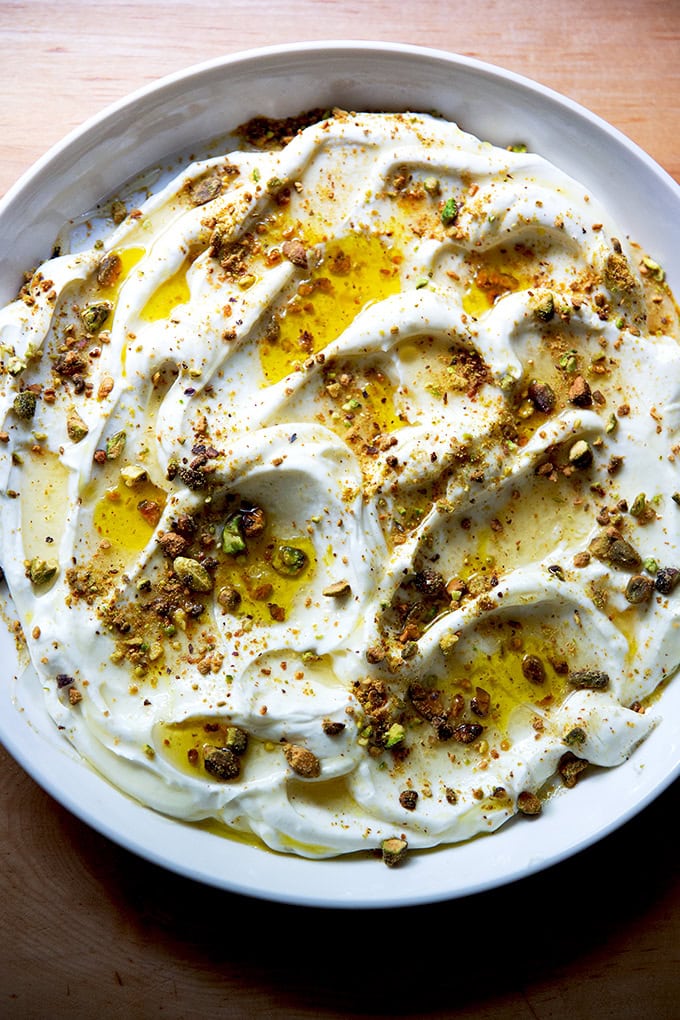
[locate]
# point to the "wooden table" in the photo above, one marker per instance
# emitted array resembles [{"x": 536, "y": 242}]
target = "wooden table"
[{"x": 87, "y": 929}]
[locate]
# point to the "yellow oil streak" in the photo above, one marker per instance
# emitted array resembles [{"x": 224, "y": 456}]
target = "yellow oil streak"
[
  {"x": 494, "y": 274},
  {"x": 44, "y": 482},
  {"x": 258, "y": 583},
  {"x": 129, "y": 257},
  {"x": 125, "y": 515},
  {"x": 356, "y": 271},
  {"x": 501, "y": 674},
  {"x": 172, "y": 293}
]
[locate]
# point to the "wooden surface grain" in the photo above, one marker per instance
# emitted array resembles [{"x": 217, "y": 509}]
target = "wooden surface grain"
[{"x": 87, "y": 929}]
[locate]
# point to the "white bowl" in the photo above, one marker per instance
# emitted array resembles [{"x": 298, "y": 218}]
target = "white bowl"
[{"x": 179, "y": 113}]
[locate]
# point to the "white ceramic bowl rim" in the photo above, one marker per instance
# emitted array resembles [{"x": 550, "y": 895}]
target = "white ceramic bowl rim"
[{"x": 175, "y": 113}]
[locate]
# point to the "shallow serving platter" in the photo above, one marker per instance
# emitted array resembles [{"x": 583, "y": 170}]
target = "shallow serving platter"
[{"x": 183, "y": 113}]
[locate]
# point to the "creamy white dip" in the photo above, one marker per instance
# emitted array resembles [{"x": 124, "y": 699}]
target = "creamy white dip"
[{"x": 337, "y": 487}]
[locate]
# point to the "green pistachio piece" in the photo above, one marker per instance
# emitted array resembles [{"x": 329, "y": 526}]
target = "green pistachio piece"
[
  {"x": 589, "y": 679},
  {"x": 395, "y": 735},
  {"x": 575, "y": 737},
  {"x": 232, "y": 539},
  {"x": 221, "y": 763},
  {"x": 655, "y": 269},
  {"x": 544, "y": 307},
  {"x": 24, "y": 405},
  {"x": 42, "y": 571},
  {"x": 95, "y": 315},
  {"x": 273, "y": 185},
  {"x": 289, "y": 560},
  {"x": 580, "y": 454},
  {"x": 115, "y": 445},
  {"x": 229, "y": 598},
  {"x": 15, "y": 365},
  {"x": 133, "y": 474},
  {"x": 639, "y": 507},
  {"x": 449, "y": 212},
  {"x": 236, "y": 740},
  {"x": 639, "y": 589},
  {"x": 192, "y": 573},
  {"x": 75, "y": 426},
  {"x": 394, "y": 851}
]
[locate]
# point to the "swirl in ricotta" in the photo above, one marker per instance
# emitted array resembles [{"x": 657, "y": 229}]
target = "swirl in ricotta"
[{"x": 338, "y": 487}]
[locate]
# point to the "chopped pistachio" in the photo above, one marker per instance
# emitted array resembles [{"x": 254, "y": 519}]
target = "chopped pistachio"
[
  {"x": 589, "y": 679},
  {"x": 529, "y": 804},
  {"x": 612, "y": 424},
  {"x": 394, "y": 851},
  {"x": 302, "y": 761},
  {"x": 449, "y": 212},
  {"x": 118, "y": 211},
  {"x": 337, "y": 590},
  {"x": 542, "y": 396},
  {"x": 236, "y": 740},
  {"x": 617, "y": 274},
  {"x": 229, "y": 598},
  {"x": 666, "y": 580},
  {"x": 151, "y": 511},
  {"x": 575, "y": 737},
  {"x": 155, "y": 651},
  {"x": 568, "y": 361},
  {"x": 75, "y": 426},
  {"x": 639, "y": 589},
  {"x": 395, "y": 735},
  {"x": 232, "y": 539},
  {"x": 332, "y": 728},
  {"x": 533, "y": 669},
  {"x": 15, "y": 365},
  {"x": 206, "y": 190},
  {"x": 544, "y": 307},
  {"x": 654, "y": 268},
  {"x": 409, "y": 650},
  {"x": 109, "y": 269},
  {"x": 641, "y": 508},
  {"x": 221, "y": 763},
  {"x": 518, "y": 147},
  {"x": 24, "y": 405},
  {"x": 448, "y": 641},
  {"x": 133, "y": 474},
  {"x": 289, "y": 560},
  {"x": 611, "y": 548},
  {"x": 570, "y": 767},
  {"x": 580, "y": 454},
  {"x": 41, "y": 571},
  {"x": 115, "y": 445},
  {"x": 95, "y": 315},
  {"x": 192, "y": 573},
  {"x": 432, "y": 185}
]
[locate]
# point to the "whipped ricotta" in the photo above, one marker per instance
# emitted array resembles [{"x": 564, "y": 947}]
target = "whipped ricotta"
[{"x": 339, "y": 486}]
